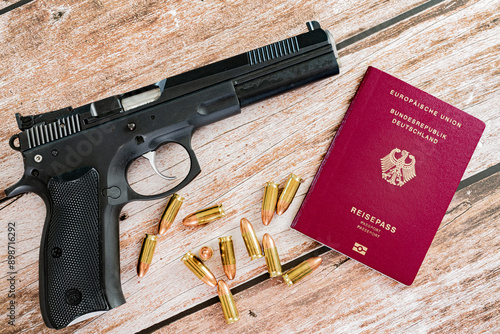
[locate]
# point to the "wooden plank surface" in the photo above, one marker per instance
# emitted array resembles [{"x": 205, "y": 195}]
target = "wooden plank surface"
[
  {"x": 7, "y": 3},
  {"x": 456, "y": 290},
  {"x": 61, "y": 53}
]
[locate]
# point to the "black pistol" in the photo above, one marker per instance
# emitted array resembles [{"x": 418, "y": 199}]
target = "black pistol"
[{"x": 76, "y": 160}]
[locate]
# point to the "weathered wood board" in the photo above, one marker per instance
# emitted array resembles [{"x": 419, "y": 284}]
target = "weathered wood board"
[
  {"x": 456, "y": 290},
  {"x": 58, "y": 54},
  {"x": 6, "y": 3}
]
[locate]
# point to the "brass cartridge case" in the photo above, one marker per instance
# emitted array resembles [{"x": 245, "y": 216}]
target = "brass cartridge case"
[
  {"x": 171, "y": 210},
  {"x": 272, "y": 257},
  {"x": 227, "y": 302},
  {"x": 227, "y": 255},
  {"x": 286, "y": 197},
  {"x": 250, "y": 238},
  {"x": 206, "y": 253},
  {"x": 199, "y": 269},
  {"x": 269, "y": 202},
  {"x": 204, "y": 216},
  {"x": 300, "y": 271},
  {"x": 147, "y": 251}
]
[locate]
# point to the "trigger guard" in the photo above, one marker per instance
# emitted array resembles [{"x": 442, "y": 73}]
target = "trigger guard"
[{"x": 193, "y": 172}]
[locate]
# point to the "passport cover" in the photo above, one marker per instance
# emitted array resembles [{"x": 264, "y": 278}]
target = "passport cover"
[{"x": 389, "y": 175}]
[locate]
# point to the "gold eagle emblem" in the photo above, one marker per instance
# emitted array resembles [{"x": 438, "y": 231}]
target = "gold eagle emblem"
[{"x": 396, "y": 170}]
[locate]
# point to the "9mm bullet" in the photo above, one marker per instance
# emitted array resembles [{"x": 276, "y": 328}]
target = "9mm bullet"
[
  {"x": 204, "y": 216},
  {"x": 272, "y": 257},
  {"x": 269, "y": 202},
  {"x": 199, "y": 269},
  {"x": 206, "y": 253},
  {"x": 146, "y": 256},
  {"x": 171, "y": 210},
  {"x": 286, "y": 197},
  {"x": 250, "y": 238},
  {"x": 302, "y": 270},
  {"x": 227, "y": 302},
  {"x": 226, "y": 248}
]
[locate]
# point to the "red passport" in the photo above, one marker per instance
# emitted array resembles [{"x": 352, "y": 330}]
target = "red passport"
[{"x": 389, "y": 176}]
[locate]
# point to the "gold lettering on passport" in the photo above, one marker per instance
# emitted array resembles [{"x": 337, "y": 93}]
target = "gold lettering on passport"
[
  {"x": 371, "y": 224},
  {"x": 414, "y": 102},
  {"x": 417, "y": 127},
  {"x": 397, "y": 171},
  {"x": 424, "y": 107}
]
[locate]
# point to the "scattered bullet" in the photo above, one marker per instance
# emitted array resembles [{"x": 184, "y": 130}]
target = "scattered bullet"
[
  {"x": 250, "y": 238},
  {"x": 147, "y": 251},
  {"x": 171, "y": 210},
  {"x": 206, "y": 253},
  {"x": 286, "y": 197},
  {"x": 226, "y": 248},
  {"x": 302, "y": 270},
  {"x": 204, "y": 216},
  {"x": 199, "y": 269},
  {"x": 269, "y": 202},
  {"x": 227, "y": 302},
  {"x": 272, "y": 257}
]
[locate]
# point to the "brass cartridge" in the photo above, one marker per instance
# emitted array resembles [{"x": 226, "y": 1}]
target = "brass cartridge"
[
  {"x": 206, "y": 253},
  {"x": 227, "y": 255},
  {"x": 250, "y": 238},
  {"x": 286, "y": 197},
  {"x": 199, "y": 269},
  {"x": 272, "y": 257},
  {"x": 300, "y": 271},
  {"x": 147, "y": 251},
  {"x": 227, "y": 302},
  {"x": 171, "y": 210},
  {"x": 269, "y": 202},
  {"x": 204, "y": 216}
]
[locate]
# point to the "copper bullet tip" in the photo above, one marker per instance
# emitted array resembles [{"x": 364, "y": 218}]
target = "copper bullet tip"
[
  {"x": 142, "y": 269},
  {"x": 209, "y": 279},
  {"x": 281, "y": 207},
  {"x": 268, "y": 241},
  {"x": 267, "y": 216},
  {"x": 206, "y": 253},
  {"x": 190, "y": 220},
  {"x": 222, "y": 288},
  {"x": 230, "y": 271},
  {"x": 314, "y": 262},
  {"x": 245, "y": 225}
]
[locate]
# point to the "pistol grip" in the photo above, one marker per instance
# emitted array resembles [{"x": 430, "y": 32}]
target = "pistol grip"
[{"x": 72, "y": 284}]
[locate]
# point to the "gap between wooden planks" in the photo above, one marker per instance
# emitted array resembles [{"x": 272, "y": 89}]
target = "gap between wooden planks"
[
  {"x": 457, "y": 289},
  {"x": 481, "y": 185}
]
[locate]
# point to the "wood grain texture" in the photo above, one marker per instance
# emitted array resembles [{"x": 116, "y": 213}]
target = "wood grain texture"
[
  {"x": 6, "y": 3},
  {"x": 98, "y": 48},
  {"x": 456, "y": 291}
]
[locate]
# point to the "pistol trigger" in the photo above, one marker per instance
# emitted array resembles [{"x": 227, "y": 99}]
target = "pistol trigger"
[{"x": 151, "y": 156}]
